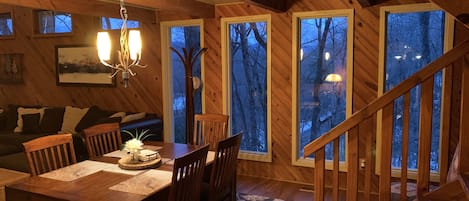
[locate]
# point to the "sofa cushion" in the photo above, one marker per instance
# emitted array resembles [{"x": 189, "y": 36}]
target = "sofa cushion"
[
  {"x": 90, "y": 118},
  {"x": 16, "y": 139},
  {"x": 72, "y": 116},
  {"x": 31, "y": 123},
  {"x": 133, "y": 117},
  {"x": 6, "y": 149},
  {"x": 15, "y": 161},
  {"x": 52, "y": 120},
  {"x": 21, "y": 112}
]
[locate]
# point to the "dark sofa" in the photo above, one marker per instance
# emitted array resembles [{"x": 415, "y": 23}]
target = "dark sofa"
[{"x": 11, "y": 150}]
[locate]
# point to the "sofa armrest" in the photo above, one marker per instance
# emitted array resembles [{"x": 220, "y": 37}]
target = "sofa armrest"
[{"x": 150, "y": 122}]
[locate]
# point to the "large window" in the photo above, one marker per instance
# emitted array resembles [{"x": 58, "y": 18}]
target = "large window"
[
  {"x": 6, "y": 25},
  {"x": 414, "y": 37},
  {"x": 322, "y": 77},
  {"x": 50, "y": 22},
  {"x": 179, "y": 35},
  {"x": 109, "y": 23},
  {"x": 246, "y": 46}
]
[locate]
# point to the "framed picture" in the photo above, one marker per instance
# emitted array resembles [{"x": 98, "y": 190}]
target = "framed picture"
[
  {"x": 79, "y": 65},
  {"x": 11, "y": 68}
]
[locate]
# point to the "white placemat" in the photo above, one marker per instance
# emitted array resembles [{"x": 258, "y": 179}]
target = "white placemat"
[
  {"x": 116, "y": 154},
  {"x": 76, "y": 171},
  {"x": 86, "y": 168},
  {"x": 145, "y": 183}
]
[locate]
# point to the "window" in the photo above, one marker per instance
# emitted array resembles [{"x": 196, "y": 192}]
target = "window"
[
  {"x": 322, "y": 78},
  {"x": 109, "y": 23},
  {"x": 50, "y": 22},
  {"x": 179, "y": 34},
  {"x": 6, "y": 25},
  {"x": 246, "y": 71},
  {"x": 414, "y": 37}
]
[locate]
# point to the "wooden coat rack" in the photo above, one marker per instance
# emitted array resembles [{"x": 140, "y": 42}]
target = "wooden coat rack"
[{"x": 188, "y": 58}]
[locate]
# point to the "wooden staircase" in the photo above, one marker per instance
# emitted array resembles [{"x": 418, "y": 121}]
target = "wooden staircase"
[{"x": 456, "y": 60}]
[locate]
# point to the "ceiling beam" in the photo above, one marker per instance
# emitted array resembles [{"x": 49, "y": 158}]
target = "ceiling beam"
[
  {"x": 189, "y": 7},
  {"x": 365, "y": 3},
  {"x": 457, "y": 8},
  {"x": 85, "y": 7},
  {"x": 276, "y": 6}
]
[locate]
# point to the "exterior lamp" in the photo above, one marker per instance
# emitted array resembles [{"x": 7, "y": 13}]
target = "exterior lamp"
[{"x": 130, "y": 51}]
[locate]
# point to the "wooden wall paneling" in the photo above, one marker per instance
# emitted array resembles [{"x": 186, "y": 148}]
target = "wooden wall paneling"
[{"x": 425, "y": 135}]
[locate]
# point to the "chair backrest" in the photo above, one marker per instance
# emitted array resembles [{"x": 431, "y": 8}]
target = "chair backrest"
[
  {"x": 102, "y": 138},
  {"x": 223, "y": 175},
  {"x": 210, "y": 129},
  {"x": 50, "y": 152},
  {"x": 188, "y": 172}
]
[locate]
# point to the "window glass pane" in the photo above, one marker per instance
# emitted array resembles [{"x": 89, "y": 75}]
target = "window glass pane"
[
  {"x": 109, "y": 23},
  {"x": 54, "y": 22},
  {"x": 6, "y": 25},
  {"x": 183, "y": 37},
  {"x": 413, "y": 41},
  {"x": 248, "y": 71},
  {"x": 322, "y": 79}
]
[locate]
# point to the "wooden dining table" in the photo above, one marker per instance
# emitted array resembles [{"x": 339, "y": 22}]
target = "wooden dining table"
[{"x": 96, "y": 186}]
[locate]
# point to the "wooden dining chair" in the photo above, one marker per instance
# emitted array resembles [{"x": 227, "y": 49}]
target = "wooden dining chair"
[
  {"x": 49, "y": 153},
  {"x": 210, "y": 129},
  {"x": 187, "y": 175},
  {"x": 102, "y": 138},
  {"x": 222, "y": 184}
]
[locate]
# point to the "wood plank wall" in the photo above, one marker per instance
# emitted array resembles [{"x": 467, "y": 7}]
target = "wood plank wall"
[
  {"x": 39, "y": 88},
  {"x": 145, "y": 90}
]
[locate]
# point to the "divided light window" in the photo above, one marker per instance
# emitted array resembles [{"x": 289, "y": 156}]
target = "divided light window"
[
  {"x": 322, "y": 78},
  {"x": 109, "y": 23},
  {"x": 51, "y": 22},
  {"x": 246, "y": 46},
  {"x": 414, "y": 38},
  {"x": 179, "y": 34},
  {"x": 6, "y": 24}
]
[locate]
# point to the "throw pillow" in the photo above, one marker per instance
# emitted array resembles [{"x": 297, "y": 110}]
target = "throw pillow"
[
  {"x": 118, "y": 114},
  {"x": 21, "y": 111},
  {"x": 52, "y": 120},
  {"x": 90, "y": 118},
  {"x": 31, "y": 123},
  {"x": 72, "y": 116},
  {"x": 133, "y": 117},
  {"x": 109, "y": 120}
]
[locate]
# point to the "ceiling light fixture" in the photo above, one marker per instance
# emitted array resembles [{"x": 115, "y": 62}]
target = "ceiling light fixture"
[{"x": 130, "y": 51}]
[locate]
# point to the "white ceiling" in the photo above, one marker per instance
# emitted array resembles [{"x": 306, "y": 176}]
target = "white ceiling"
[{"x": 220, "y": 1}]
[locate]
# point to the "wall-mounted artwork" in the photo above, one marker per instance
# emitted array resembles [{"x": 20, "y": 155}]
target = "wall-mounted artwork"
[
  {"x": 11, "y": 68},
  {"x": 80, "y": 66}
]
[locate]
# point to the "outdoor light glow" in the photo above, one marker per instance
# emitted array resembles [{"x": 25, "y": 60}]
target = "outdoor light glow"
[{"x": 327, "y": 56}]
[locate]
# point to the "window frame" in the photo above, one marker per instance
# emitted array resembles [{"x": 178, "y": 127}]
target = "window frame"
[
  {"x": 12, "y": 36},
  {"x": 349, "y": 13},
  {"x": 36, "y": 32},
  {"x": 226, "y": 79},
  {"x": 167, "y": 83},
  {"x": 447, "y": 45}
]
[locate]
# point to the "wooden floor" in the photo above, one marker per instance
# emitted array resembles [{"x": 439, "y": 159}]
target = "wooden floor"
[{"x": 271, "y": 188}]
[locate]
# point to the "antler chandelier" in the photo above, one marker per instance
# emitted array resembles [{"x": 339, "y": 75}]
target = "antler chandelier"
[{"x": 130, "y": 51}]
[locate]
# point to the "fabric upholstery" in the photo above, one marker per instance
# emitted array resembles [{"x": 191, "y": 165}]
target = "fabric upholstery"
[
  {"x": 31, "y": 123},
  {"x": 90, "y": 118},
  {"x": 72, "y": 116},
  {"x": 21, "y": 112},
  {"x": 52, "y": 120}
]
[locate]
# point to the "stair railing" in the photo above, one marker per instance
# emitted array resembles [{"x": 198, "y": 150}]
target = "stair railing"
[{"x": 365, "y": 117}]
